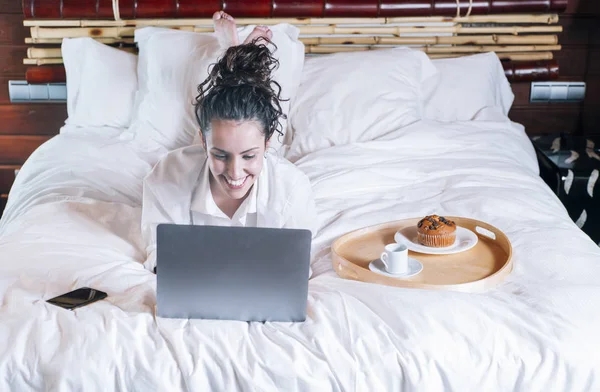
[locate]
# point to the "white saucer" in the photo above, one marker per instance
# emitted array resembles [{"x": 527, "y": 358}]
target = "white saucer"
[
  {"x": 414, "y": 267},
  {"x": 465, "y": 240}
]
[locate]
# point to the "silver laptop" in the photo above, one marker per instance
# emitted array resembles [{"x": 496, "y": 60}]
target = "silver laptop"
[{"x": 232, "y": 273}]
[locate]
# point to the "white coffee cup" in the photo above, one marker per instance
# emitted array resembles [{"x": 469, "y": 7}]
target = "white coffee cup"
[{"x": 395, "y": 258}]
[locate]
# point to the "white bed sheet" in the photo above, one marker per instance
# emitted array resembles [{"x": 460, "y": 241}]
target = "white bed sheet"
[{"x": 73, "y": 220}]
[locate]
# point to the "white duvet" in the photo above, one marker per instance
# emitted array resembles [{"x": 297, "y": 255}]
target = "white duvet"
[{"x": 73, "y": 220}]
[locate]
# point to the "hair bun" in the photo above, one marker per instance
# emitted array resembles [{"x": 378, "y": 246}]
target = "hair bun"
[
  {"x": 239, "y": 87},
  {"x": 247, "y": 64}
]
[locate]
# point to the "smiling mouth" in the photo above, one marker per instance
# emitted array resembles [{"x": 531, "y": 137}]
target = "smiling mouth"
[{"x": 237, "y": 184}]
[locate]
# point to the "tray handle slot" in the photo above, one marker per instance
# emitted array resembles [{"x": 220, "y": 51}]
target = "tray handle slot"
[
  {"x": 485, "y": 232},
  {"x": 348, "y": 272}
]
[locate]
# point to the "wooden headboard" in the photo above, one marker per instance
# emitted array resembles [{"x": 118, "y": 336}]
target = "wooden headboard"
[{"x": 522, "y": 33}]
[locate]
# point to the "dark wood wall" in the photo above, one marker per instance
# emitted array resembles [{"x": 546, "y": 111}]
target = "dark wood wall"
[
  {"x": 23, "y": 127},
  {"x": 579, "y": 60}
]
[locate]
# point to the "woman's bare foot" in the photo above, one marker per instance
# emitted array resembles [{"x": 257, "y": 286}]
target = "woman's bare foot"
[
  {"x": 225, "y": 29},
  {"x": 259, "y": 32}
]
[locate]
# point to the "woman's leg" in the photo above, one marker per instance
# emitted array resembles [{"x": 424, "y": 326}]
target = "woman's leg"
[{"x": 225, "y": 29}]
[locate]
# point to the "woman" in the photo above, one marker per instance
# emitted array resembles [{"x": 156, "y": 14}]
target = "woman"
[{"x": 230, "y": 179}]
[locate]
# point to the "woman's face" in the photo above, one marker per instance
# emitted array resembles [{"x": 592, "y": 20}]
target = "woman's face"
[{"x": 235, "y": 156}]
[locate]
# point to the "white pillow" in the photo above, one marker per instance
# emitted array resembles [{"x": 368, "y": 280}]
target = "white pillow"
[
  {"x": 355, "y": 97},
  {"x": 466, "y": 86},
  {"x": 101, "y": 83},
  {"x": 172, "y": 64}
]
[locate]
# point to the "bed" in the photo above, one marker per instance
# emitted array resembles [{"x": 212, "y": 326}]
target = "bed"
[{"x": 73, "y": 220}]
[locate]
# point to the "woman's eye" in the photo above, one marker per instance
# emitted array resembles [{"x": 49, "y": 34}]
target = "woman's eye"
[
  {"x": 248, "y": 157},
  {"x": 220, "y": 157}
]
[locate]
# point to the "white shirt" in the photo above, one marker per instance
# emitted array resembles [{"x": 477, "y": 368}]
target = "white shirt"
[{"x": 177, "y": 190}]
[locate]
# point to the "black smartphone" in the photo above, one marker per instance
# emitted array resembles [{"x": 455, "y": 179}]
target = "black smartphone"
[{"x": 78, "y": 298}]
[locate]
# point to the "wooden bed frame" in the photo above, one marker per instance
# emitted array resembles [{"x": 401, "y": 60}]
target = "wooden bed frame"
[{"x": 524, "y": 33}]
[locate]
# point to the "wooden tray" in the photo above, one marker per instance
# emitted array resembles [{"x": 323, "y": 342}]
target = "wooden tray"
[{"x": 479, "y": 268}]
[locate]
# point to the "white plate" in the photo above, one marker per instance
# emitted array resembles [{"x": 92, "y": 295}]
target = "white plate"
[
  {"x": 414, "y": 267},
  {"x": 465, "y": 240}
]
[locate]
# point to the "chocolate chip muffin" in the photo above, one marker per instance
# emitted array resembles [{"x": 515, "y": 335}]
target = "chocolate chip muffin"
[{"x": 436, "y": 231}]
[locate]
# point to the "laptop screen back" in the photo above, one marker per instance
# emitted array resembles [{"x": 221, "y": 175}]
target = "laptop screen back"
[{"x": 232, "y": 273}]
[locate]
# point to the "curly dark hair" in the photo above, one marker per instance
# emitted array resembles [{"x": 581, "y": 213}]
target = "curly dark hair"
[{"x": 239, "y": 87}]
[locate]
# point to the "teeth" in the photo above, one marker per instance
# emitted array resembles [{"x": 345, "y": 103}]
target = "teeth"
[{"x": 235, "y": 183}]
